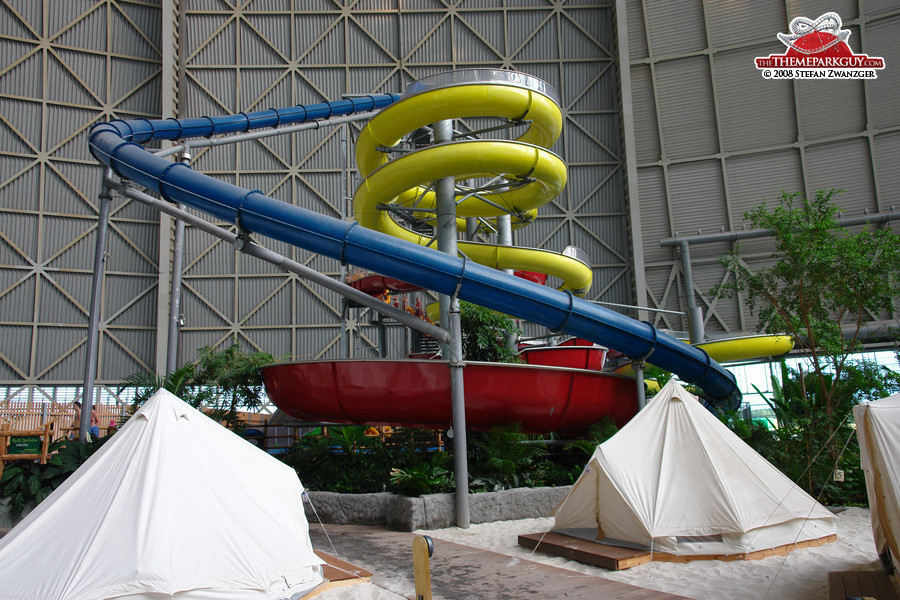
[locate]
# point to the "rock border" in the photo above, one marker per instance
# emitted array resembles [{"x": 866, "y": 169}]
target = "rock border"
[{"x": 432, "y": 511}]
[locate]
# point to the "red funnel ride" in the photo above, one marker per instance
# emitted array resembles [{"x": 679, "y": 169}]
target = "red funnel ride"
[{"x": 417, "y": 393}]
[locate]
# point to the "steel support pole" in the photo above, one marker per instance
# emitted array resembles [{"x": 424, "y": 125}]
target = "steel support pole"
[
  {"x": 93, "y": 336},
  {"x": 639, "y": 383},
  {"x": 504, "y": 238},
  {"x": 695, "y": 315},
  {"x": 175, "y": 293},
  {"x": 450, "y": 320}
]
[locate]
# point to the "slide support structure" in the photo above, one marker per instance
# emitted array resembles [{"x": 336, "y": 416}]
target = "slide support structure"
[
  {"x": 445, "y": 189},
  {"x": 90, "y": 361},
  {"x": 175, "y": 292}
]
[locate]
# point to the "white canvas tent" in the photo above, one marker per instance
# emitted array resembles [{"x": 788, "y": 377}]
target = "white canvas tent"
[
  {"x": 676, "y": 480},
  {"x": 174, "y": 506},
  {"x": 878, "y": 427}
]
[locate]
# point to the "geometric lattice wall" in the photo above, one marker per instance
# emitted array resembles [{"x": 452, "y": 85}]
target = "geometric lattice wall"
[
  {"x": 83, "y": 62},
  {"x": 713, "y": 139},
  {"x": 67, "y": 65}
]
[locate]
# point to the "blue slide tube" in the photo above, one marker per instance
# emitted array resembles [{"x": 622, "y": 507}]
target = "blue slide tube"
[{"x": 115, "y": 144}]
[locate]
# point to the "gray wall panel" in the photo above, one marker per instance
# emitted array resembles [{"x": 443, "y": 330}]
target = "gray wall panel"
[
  {"x": 887, "y": 157},
  {"x": 686, "y": 108},
  {"x": 775, "y": 135},
  {"x": 852, "y": 173},
  {"x": 843, "y": 113},
  {"x": 740, "y": 21},
  {"x": 106, "y": 62},
  {"x": 755, "y": 178},
  {"x": 881, "y": 38},
  {"x": 655, "y": 223},
  {"x": 676, "y": 27},
  {"x": 755, "y": 113}
]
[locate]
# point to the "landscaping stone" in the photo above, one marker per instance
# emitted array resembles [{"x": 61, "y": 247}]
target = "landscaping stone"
[{"x": 432, "y": 511}]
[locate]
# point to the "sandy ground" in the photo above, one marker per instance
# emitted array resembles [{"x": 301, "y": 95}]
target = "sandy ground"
[{"x": 801, "y": 575}]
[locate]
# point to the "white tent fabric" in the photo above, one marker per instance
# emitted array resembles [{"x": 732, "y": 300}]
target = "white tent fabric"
[
  {"x": 878, "y": 427},
  {"x": 675, "y": 479},
  {"x": 174, "y": 506}
]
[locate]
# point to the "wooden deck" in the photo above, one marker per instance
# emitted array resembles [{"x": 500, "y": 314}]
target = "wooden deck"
[
  {"x": 459, "y": 571},
  {"x": 616, "y": 558},
  {"x": 338, "y": 573},
  {"x": 612, "y": 558},
  {"x": 860, "y": 584}
]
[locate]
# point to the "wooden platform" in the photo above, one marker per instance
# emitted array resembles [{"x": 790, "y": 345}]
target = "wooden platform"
[
  {"x": 338, "y": 573},
  {"x": 613, "y": 558},
  {"x": 616, "y": 558},
  {"x": 860, "y": 584}
]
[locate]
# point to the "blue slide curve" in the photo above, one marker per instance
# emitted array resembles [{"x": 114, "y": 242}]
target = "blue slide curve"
[{"x": 116, "y": 144}]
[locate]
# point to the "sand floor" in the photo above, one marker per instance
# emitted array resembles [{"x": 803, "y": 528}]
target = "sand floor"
[{"x": 801, "y": 575}]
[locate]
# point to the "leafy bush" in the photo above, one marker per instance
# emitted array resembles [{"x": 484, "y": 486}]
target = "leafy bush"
[
  {"x": 484, "y": 334},
  {"x": 424, "y": 476},
  {"x": 27, "y": 482}
]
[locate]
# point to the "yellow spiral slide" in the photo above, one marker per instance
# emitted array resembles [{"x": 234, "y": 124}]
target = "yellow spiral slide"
[{"x": 532, "y": 174}]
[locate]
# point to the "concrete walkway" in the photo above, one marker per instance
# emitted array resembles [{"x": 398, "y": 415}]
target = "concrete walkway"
[{"x": 463, "y": 573}]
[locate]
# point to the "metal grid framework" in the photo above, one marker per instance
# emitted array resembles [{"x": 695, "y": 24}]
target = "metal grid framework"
[
  {"x": 67, "y": 65},
  {"x": 71, "y": 64},
  {"x": 712, "y": 139}
]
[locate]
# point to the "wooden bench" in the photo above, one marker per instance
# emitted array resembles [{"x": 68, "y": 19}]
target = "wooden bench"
[{"x": 860, "y": 584}]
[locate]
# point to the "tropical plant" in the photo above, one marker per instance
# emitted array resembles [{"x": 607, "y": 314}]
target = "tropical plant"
[
  {"x": 824, "y": 285},
  {"x": 807, "y": 443},
  {"x": 181, "y": 382},
  {"x": 423, "y": 476},
  {"x": 28, "y": 482},
  {"x": 220, "y": 382},
  {"x": 503, "y": 457},
  {"x": 485, "y": 333},
  {"x": 343, "y": 459},
  {"x": 236, "y": 377},
  {"x": 597, "y": 434}
]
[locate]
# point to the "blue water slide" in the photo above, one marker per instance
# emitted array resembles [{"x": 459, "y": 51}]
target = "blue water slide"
[{"x": 116, "y": 144}]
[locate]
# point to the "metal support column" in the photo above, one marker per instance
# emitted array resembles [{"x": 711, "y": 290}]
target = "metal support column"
[
  {"x": 504, "y": 238},
  {"x": 695, "y": 315},
  {"x": 93, "y": 336},
  {"x": 639, "y": 382},
  {"x": 175, "y": 318},
  {"x": 450, "y": 320}
]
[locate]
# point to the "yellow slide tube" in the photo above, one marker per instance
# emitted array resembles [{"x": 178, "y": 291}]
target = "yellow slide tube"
[{"x": 399, "y": 182}]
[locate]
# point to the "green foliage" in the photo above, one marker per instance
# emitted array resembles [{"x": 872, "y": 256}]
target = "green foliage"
[
  {"x": 235, "y": 374},
  {"x": 345, "y": 461},
  {"x": 807, "y": 443},
  {"x": 221, "y": 382},
  {"x": 825, "y": 283},
  {"x": 424, "y": 476},
  {"x": 27, "y": 482},
  {"x": 342, "y": 460},
  {"x": 504, "y": 457},
  {"x": 182, "y": 382},
  {"x": 824, "y": 279},
  {"x": 597, "y": 434},
  {"x": 484, "y": 334}
]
